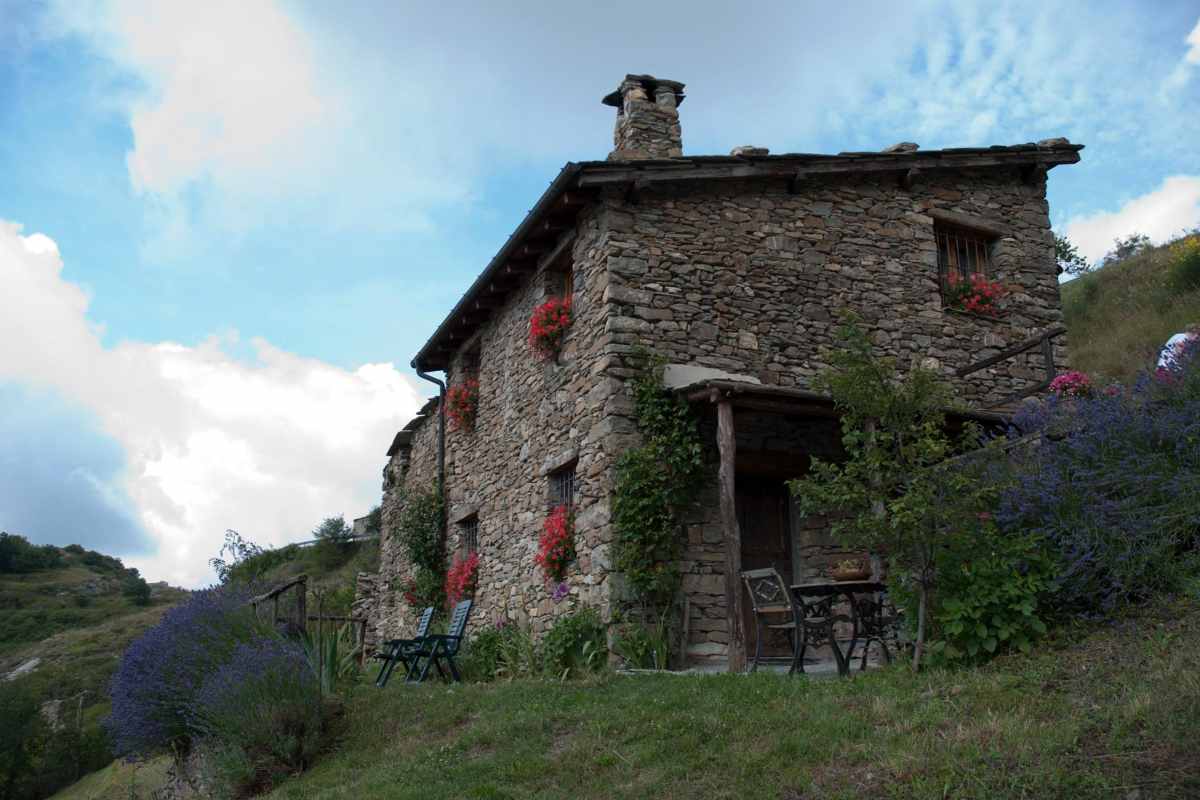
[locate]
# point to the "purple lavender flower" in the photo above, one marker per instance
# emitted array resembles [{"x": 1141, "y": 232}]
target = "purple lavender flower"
[{"x": 560, "y": 592}]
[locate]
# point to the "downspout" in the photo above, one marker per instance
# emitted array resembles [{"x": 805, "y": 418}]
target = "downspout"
[{"x": 441, "y": 439}]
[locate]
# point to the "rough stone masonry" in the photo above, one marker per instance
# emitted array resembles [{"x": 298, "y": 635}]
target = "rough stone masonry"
[{"x": 739, "y": 264}]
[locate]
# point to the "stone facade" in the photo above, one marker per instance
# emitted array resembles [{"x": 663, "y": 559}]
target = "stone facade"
[{"x": 744, "y": 275}]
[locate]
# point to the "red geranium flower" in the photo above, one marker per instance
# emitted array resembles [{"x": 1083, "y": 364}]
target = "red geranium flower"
[{"x": 548, "y": 326}]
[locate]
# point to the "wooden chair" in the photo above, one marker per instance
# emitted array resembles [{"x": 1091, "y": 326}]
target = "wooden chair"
[
  {"x": 438, "y": 648},
  {"x": 403, "y": 651},
  {"x": 806, "y": 623}
]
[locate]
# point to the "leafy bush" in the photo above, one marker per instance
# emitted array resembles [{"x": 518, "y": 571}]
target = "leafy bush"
[
  {"x": 334, "y": 545},
  {"x": 574, "y": 644},
  {"x": 257, "y": 717},
  {"x": 1185, "y": 264},
  {"x": 644, "y": 645},
  {"x": 1114, "y": 487},
  {"x": 989, "y": 595},
  {"x": 135, "y": 589},
  {"x": 505, "y": 650},
  {"x": 18, "y": 556},
  {"x": 155, "y": 685}
]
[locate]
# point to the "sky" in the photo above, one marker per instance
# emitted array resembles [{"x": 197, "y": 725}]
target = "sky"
[{"x": 226, "y": 227}]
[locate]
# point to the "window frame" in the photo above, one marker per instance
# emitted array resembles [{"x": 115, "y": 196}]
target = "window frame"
[
  {"x": 562, "y": 484},
  {"x": 962, "y": 240},
  {"x": 468, "y": 534}
]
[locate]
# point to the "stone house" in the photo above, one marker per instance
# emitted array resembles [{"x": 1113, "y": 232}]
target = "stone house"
[{"x": 733, "y": 268}]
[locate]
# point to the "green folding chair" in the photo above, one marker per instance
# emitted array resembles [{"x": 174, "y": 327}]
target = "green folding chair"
[
  {"x": 403, "y": 651},
  {"x": 439, "y": 648}
]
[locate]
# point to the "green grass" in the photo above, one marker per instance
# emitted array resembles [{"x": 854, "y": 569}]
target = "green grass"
[
  {"x": 1095, "y": 717},
  {"x": 120, "y": 781},
  {"x": 1118, "y": 317}
]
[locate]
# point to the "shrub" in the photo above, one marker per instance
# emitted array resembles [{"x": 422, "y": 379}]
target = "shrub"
[
  {"x": 1114, "y": 487},
  {"x": 505, "y": 650},
  {"x": 135, "y": 589},
  {"x": 258, "y": 717},
  {"x": 334, "y": 545},
  {"x": 1184, "y": 270},
  {"x": 1072, "y": 384},
  {"x": 644, "y": 645},
  {"x": 155, "y": 684},
  {"x": 574, "y": 644},
  {"x": 18, "y": 556},
  {"x": 419, "y": 534}
]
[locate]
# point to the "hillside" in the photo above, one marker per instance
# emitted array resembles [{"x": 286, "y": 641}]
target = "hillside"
[
  {"x": 67, "y": 614},
  {"x": 1119, "y": 316}
]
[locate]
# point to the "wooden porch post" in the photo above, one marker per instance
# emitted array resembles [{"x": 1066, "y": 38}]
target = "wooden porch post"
[{"x": 733, "y": 535}]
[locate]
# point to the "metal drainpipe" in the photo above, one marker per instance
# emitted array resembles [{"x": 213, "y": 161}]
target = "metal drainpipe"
[{"x": 441, "y": 439}]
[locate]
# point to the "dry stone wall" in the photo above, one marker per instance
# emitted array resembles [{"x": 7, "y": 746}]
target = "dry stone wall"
[{"x": 746, "y": 277}]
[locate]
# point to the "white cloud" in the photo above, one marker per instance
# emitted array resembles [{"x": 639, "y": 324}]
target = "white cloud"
[
  {"x": 268, "y": 448},
  {"x": 1190, "y": 61},
  {"x": 1161, "y": 214}
]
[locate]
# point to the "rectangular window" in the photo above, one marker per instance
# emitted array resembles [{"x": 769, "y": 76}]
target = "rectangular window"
[
  {"x": 562, "y": 487},
  {"x": 962, "y": 252},
  {"x": 468, "y": 531}
]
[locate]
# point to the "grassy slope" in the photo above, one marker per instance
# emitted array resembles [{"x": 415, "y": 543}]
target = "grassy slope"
[
  {"x": 1120, "y": 315},
  {"x": 120, "y": 781},
  {"x": 1072, "y": 721}
]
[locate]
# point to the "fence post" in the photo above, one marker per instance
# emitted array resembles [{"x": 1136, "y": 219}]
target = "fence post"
[{"x": 302, "y": 601}]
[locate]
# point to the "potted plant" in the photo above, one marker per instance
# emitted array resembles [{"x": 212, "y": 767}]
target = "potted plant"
[
  {"x": 976, "y": 295},
  {"x": 548, "y": 327},
  {"x": 851, "y": 569},
  {"x": 462, "y": 404}
]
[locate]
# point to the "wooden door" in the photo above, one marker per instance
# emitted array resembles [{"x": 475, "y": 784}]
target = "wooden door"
[{"x": 764, "y": 517}]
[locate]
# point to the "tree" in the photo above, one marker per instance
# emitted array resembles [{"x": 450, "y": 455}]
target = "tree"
[
  {"x": 1128, "y": 247},
  {"x": 333, "y": 541},
  {"x": 238, "y": 549},
  {"x": 1069, "y": 259},
  {"x": 135, "y": 588},
  {"x": 890, "y": 495}
]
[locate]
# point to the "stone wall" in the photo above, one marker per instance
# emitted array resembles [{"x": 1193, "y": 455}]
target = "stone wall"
[
  {"x": 740, "y": 276},
  {"x": 533, "y": 418},
  {"x": 746, "y": 277}
]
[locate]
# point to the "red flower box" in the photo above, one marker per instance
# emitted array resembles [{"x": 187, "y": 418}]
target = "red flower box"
[
  {"x": 977, "y": 295},
  {"x": 548, "y": 327},
  {"x": 462, "y": 403},
  {"x": 556, "y": 548}
]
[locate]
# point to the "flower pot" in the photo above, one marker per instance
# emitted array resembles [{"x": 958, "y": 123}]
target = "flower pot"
[{"x": 857, "y": 574}]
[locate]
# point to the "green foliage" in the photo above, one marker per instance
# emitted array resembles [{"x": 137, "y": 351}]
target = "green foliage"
[
  {"x": 990, "y": 596},
  {"x": 1128, "y": 247},
  {"x": 655, "y": 484},
  {"x": 21, "y": 738},
  {"x": 574, "y": 644},
  {"x": 333, "y": 656},
  {"x": 334, "y": 546},
  {"x": 419, "y": 534},
  {"x": 894, "y": 494},
  {"x": 18, "y": 556},
  {"x": 135, "y": 589},
  {"x": 1120, "y": 314},
  {"x": 644, "y": 645},
  {"x": 1068, "y": 256}
]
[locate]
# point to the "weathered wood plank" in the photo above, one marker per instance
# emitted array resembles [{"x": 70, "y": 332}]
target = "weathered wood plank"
[
  {"x": 727, "y": 446},
  {"x": 1015, "y": 350}
]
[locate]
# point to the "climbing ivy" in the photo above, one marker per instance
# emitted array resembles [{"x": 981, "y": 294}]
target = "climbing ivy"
[
  {"x": 419, "y": 533},
  {"x": 655, "y": 483}
]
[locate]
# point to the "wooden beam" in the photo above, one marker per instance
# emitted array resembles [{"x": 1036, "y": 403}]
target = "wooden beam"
[
  {"x": 982, "y": 224},
  {"x": 796, "y": 182},
  {"x": 1015, "y": 350},
  {"x": 727, "y": 445},
  {"x": 553, "y": 255},
  {"x": 909, "y": 177},
  {"x": 634, "y": 190}
]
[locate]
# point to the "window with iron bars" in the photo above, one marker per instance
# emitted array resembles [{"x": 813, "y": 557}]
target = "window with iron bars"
[
  {"x": 562, "y": 487},
  {"x": 963, "y": 253},
  {"x": 469, "y": 534}
]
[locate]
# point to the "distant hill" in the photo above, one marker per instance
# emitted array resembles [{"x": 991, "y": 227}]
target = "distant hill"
[
  {"x": 1121, "y": 314},
  {"x": 66, "y": 615}
]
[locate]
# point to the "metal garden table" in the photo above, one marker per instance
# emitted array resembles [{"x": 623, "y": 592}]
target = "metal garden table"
[{"x": 829, "y": 590}]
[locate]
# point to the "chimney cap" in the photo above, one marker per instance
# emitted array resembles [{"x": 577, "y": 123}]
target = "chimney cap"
[{"x": 650, "y": 84}]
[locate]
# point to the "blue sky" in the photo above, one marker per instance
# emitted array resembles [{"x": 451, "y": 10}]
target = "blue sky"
[{"x": 251, "y": 214}]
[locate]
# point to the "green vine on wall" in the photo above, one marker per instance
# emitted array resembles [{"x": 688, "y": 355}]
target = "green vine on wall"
[
  {"x": 419, "y": 533},
  {"x": 655, "y": 484}
]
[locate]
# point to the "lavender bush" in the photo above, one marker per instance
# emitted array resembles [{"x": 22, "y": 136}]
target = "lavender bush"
[
  {"x": 258, "y": 717},
  {"x": 158, "y": 678},
  {"x": 1114, "y": 487}
]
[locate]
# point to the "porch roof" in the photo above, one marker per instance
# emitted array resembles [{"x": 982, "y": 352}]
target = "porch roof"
[{"x": 792, "y": 400}]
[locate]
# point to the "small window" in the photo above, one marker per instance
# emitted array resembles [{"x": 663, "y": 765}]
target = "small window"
[
  {"x": 562, "y": 487},
  {"x": 962, "y": 253},
  {"x": 468, "y": 531},
  {"x": 471, "y": 361},
  {"x": 559, "y": 278}
]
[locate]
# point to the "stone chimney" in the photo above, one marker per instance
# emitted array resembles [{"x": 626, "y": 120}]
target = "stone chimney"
[{"x": 647, "y": 118}]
